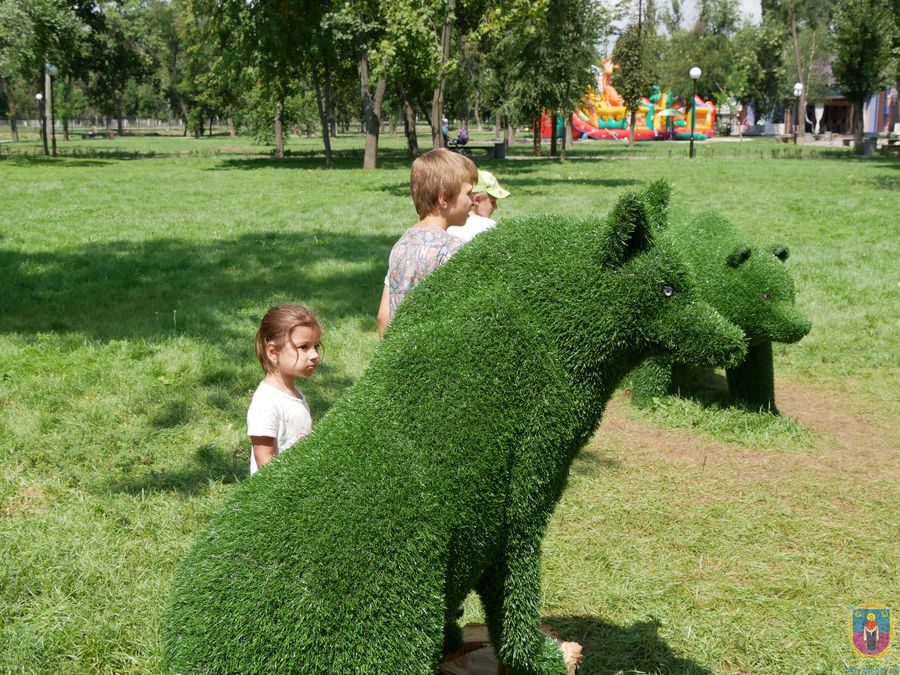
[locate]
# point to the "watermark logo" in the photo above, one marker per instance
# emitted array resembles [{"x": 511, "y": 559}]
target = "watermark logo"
[{"x": 870, "y": 630}]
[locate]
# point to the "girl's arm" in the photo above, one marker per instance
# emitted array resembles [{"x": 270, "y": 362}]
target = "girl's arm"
[{"x": 263, "y": 449}]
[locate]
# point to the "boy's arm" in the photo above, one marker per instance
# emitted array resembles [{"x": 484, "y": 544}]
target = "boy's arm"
[
  {"x": 263, "y": 449},
  {"x": 384, "y": 311}
]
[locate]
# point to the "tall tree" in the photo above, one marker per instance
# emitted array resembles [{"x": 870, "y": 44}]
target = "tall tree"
[
  {"x": 360, "y": 28},
  {"x": 16, "y": 51},
  {"x": 437, "y": 101},
  {"x": 270, "y": 38},
  {"x": 120, "y": 55},
  {"x": 864, "y": 62},
  {"x": 575, "y": 28},
  {"x": 409, "y": 58},
  {"x": 540, "y": 54},
  {"x": 806, "y": 23},
  {"x": 634, "y": 75}
]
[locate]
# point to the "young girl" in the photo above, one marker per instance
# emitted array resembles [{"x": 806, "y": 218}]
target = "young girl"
[{"x": 287, "y": 346}]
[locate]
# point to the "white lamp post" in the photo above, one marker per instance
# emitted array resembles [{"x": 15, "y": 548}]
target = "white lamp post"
[
  {"x": 798, "y": 91},
  {"x": 695, "y": 74},
  {"x": 39, "y": 98}
]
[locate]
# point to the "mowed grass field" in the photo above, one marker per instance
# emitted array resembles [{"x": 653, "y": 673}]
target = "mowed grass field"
[{"x": 692, "y": 538}]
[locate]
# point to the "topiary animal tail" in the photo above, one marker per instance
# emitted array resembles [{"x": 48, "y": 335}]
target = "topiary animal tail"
[{"x": 437, "y": 472}]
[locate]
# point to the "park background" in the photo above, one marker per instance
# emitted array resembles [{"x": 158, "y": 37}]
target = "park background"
[{"x": 694, "y": 537}]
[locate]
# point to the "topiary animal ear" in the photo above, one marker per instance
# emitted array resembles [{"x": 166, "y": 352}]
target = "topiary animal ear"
[
  {"x": 738, "y": 256},
  {"x": 630, "y": 231},
  {"x": 656, "y": 196},
  {"x": 781, "y": 252}
]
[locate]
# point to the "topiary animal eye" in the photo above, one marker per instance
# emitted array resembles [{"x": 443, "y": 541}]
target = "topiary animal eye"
[
  {"x": 766, "y": 295},
  {"x": 668, "y": 291}
]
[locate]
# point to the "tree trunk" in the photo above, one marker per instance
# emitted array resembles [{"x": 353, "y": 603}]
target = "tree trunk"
[
  {"x": 322, "y": 106},
  {"x": 508, "y": 138},
  {"x": 332, "y": 109},
  {"x": 476, "y": 113},
  {"x": 536, "y": 135},
  {"x": 409, "y": 123},
  {"x": 231, "y": 130},
  {"x": 279, "y": 136},
  {"x": 497, "y": 125},
  {"x": 800, "y": 122},
  {"x": 567, "y": 133},
  {"x": 371, "y": 111},
  {"x": 11, "y": 105},
  {"x": 858, "y": 124},
  {"x": 437, "y": 102},
  {"x": 631, "y": 124},
  {"x": 120, "y": 127},
  {"x": 553, "y": 149}
]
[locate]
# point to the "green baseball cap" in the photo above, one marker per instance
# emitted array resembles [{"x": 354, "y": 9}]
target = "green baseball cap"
[{"x": 487, "y": 183}]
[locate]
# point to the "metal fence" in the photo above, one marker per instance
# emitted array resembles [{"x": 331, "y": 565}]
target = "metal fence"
[{"x": 81, "y": 124}]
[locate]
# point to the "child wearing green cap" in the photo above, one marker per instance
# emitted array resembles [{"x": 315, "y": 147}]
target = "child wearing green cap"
[{"x": 484, "y": 202}]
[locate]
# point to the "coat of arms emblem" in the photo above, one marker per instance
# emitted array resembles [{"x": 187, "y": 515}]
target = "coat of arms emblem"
[{"x": 870, "y": 630}]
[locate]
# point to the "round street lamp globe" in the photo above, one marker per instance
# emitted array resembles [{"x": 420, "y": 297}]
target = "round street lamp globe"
[
  {"x": 798, "y": 89},
  {"x": 39, "y": 97},
  {"x": 52, "y": 70},
  {"x": 695, "y": 73}
]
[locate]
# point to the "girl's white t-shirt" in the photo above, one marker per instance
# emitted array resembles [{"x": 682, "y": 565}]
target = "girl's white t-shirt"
[{"x": 278, "y": 415}]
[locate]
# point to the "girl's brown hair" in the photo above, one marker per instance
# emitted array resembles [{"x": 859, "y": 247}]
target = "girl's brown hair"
[
  {"x": 439, "y": 172},
  {"x": 277, "y": 325}
]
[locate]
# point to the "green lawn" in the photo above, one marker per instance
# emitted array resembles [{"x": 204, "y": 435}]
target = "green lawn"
[{"x": 692, "y": 538}]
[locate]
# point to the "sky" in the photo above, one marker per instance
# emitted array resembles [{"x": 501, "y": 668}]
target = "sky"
[{"x": 748, "y": 8}]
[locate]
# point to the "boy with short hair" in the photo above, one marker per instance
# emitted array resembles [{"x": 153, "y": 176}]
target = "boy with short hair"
[
  {"x": 484, "y": 202},
  {"x": 441, "y": 182}
]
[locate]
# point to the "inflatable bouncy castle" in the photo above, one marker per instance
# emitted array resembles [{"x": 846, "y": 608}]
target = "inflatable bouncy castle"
[{"x": 603, "y": 114}]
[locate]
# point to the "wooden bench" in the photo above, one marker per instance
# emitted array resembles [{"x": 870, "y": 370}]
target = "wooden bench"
[{"x": 492, "y": 151}]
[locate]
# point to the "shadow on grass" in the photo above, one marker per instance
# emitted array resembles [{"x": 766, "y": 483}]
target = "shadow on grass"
[
  {"x": 22, "y": 160},
  {"x": 615, "y": 649},
  {"x": 342, "y": 160},
  {"x": 589, "y": 461},
  {"x": 702, "y": 385},
  {"x": 208, "y": 464},
  {"x": 125, "y": 289}
]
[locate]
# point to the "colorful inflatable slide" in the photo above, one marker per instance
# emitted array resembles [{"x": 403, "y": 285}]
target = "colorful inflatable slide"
[{"x": 604, "y": 115}]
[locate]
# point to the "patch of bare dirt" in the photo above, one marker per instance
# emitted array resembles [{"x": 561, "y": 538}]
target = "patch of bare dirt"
[
  {"x": 27, "y": 501},
  {"x": 859, "y": 448}
]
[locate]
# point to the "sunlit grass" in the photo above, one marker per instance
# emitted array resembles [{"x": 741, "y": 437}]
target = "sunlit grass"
[{"x": 133, "y": 274}]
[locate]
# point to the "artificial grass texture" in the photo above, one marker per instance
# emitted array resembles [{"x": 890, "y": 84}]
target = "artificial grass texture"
[
  {"x": 750, "y": 287},
  {"x": 438, "y": 471},
  {"x": 113, "y": 413}
]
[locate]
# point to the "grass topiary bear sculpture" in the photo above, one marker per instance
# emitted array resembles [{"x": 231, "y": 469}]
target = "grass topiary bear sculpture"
[
  {"x": 438, "y": 470},
  {"x": 750, "y": 287}
]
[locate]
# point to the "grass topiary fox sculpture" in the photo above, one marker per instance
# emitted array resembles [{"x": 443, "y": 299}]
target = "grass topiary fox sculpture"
[
  {"x": 438, "y": 470},
  {"x": 750, "y": 286}
]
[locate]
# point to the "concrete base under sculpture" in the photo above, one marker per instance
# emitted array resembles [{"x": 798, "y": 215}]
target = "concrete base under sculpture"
[{"x": 477, "y": 657}]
